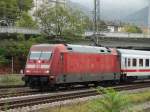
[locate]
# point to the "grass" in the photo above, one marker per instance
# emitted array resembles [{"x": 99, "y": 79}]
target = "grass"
[
  {"x": 13, "y": 79},
  {"x": 141, "y": 97},
  {"x": 109, "y": 103},
  {"x": 79, "y": 107}
]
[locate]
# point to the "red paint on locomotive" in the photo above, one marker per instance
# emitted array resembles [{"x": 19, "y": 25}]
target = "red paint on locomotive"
[{"x": 81, "y": 63}]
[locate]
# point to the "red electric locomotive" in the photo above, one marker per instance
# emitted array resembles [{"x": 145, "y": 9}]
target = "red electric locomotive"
[{"x": 59, "y": 64}]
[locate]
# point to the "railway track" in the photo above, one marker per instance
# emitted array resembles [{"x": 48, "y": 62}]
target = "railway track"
[
  {"x": 12, "y": 103},
  {"x": 17, "y": 92},
  {"x": 20, "y": 90},
  {"x": 11, "y": 86}
]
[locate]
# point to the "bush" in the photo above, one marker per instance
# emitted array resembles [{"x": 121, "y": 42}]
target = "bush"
[
  {"x": 112, "y": 101},
  {"x": 11, "y": 80}
]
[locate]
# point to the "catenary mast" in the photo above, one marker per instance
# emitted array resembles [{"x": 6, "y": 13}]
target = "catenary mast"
[{"x": 96, "y": 20}]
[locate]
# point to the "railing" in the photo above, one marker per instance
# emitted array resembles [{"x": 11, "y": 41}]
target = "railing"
[
  {"x": 31, "y": 31},
  {"x": 19, "y": 30},
  {"x": 118, "y": 34}
]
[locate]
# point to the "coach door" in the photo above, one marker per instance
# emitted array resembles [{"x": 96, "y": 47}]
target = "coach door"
[{"x": 124, "y": 64}]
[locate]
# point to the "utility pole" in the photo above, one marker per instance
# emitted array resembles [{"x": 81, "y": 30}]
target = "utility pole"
[
  {"x": 36, "y": 3},
  {"x": 96, "y": 20},
  {"x": 56, "y": 14},
  {"x": 98, "y": 15},
  {"x": 21, "y": 3},
  {"x": 95, "y": 17},
  {"x": 36, "y": 9},
  {"x": 57, "y": 3},
  {"x": 148, "y": 20}
]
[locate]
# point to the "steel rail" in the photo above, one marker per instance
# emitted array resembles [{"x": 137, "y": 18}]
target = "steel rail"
[{"x": 55, "y": 97}]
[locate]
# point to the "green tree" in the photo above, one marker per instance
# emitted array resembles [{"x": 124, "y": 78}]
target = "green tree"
[
  {"x": 132, "y": 29},
  {"x": 3, "y": 60},
  {"x": 61, "y": 21},
  {"x": 111, "y": 101},
  {"x": 18, "y": 49},
  {"x": 24, "y": 5},
  {"x": 26, "y": 21},
  {"x": 15, "y": 12},
  {"x": 10, "y": 10}
]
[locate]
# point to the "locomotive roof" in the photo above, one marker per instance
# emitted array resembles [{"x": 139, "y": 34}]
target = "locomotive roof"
[
  {"x": 43, "y": 45},
  {"x": 78, "y": 48},
  {"x": 87, "y": 49},
  {"x": 133, "y": 52}
]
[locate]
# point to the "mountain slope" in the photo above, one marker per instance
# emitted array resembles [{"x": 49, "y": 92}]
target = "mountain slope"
[
  {"x": 139, "y": 18},
  {"x": 80, "y": 7}
]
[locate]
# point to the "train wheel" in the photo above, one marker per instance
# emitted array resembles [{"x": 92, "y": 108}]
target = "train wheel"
[
  {"x": 96, "y": 84},
  {"x": 123, "y": 78}
]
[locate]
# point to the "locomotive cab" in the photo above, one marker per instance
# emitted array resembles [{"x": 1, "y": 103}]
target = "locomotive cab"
[
  {"x": 38, "y": 65},
  {"x": 39, "y": 61},
  {"x": 43, "y": 64}
]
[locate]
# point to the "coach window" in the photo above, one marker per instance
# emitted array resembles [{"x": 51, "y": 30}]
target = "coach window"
[
  {"x": 141, "y": 62},
  {"x": 125, "y": 62},
  {"x": 129, "y": 62},
  {"x": 147, "y": 62},
  {"x": 134, "y": 63}
]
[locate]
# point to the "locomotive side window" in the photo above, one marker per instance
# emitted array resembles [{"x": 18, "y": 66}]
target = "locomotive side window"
[
  {"x": 147, "y": 62},
  {"x": 141, "y": 62},
  {"x": 134, "y": 64},
  {"x": 62, "y": 56},
  {"x": 129, "y": 62}
]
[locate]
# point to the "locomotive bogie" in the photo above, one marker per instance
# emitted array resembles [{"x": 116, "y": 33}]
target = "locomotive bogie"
[
  {"x": 81, "y": 78},
  {"x": 34, "y": 81}
]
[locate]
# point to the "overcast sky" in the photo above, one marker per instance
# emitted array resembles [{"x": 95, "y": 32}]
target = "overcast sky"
[
  {"x": 120, "y": 7},
  {"x": 118, "y": 3}
]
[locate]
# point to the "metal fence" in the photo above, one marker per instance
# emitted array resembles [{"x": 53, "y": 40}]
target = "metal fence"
[
  {"x": 19, "y": 30},
  {"x": 117, "y": 34}
]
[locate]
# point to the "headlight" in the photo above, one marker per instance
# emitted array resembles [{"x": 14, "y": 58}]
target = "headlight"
[
  {"x": 28, "y": 71},
  {"x": 47, "y": 71}
]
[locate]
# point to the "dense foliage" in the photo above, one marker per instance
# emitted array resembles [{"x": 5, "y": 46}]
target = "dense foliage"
[
  {"x": 61, "y": 21},
  {"x": 55, "y": 21},
  {"x": 26, "y": 21},
  {"x": 16, "y": 48},
  {"x": 112, "y": 101},
  {"x": 11, "y": 10},
  {"x": 14, "y": 12}
]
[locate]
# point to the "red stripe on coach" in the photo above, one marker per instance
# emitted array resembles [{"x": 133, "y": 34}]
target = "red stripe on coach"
[{"x": 135, "y": 70}]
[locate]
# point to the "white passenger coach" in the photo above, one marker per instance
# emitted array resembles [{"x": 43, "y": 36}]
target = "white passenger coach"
[{"x": 135, "y": 63}]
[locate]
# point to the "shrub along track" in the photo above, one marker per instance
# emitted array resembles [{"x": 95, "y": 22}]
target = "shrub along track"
[{"x": 32, "y": 100}]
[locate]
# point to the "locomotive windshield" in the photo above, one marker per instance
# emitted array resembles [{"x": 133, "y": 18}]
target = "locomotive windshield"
[
  {"x": 35, "y": 55},
  {"x": 45, "y": 55},
  {"x": 40, "y": 55}
]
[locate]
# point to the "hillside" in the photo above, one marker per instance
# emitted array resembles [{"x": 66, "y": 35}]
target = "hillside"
[{"x": 139, "y": 17}]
